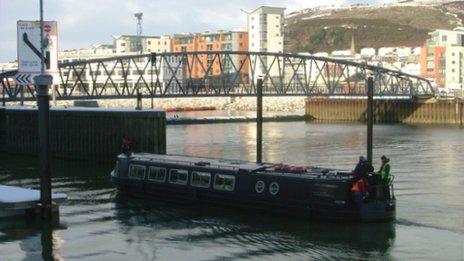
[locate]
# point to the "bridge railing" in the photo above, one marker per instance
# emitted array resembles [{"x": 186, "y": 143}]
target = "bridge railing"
[{"x": 230, "y": 73}]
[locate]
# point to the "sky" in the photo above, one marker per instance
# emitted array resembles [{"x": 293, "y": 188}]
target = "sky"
[{"x": 82, "y": 23}]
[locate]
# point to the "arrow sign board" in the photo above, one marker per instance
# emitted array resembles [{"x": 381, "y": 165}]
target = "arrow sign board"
[{"x": 29, "y": 55}]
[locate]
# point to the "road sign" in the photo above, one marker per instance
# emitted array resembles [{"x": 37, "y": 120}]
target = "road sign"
[
  {"x": 24, "y": 78},
  {"x": 29, "y": 55}
]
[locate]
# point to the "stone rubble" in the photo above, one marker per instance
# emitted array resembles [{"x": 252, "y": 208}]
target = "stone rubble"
[{"x": 271, "y": 104}]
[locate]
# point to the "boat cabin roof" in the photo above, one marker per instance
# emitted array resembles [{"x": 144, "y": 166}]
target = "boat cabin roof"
[
  {"x": 198, "y": 161},
  {"x": 236, "y": 165}
]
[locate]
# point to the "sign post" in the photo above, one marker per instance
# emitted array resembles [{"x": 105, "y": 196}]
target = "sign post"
[
  {"x": 38, "y": 65},
  {"x": 30, "y": 54}
]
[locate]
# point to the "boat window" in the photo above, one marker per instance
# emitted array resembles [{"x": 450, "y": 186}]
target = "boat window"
[
  {"x": 178, "y": 176},
  {"x": 200, "y": 179},
  {"x": 157, "y": 174},
  {"x": 136, "y": 171},
  {"x": 224, "y": 182}
]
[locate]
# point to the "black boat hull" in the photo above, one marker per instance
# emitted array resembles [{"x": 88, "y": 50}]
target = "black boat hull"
[{"x": 367, "y": 211}]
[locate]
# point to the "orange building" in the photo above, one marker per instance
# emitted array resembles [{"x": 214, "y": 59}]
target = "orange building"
[
  {"x": 433, "y": 63},
  {"x": 218, "y": 41}
]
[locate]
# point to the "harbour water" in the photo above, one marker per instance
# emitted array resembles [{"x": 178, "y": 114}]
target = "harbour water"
[{"x": 98, "y": 224}]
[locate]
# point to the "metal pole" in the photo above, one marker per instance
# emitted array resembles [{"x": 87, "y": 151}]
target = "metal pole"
[
  {"x": 43, "y": 82},
  {"x": 370, "y": 117},
  {"x": 153, "y": 62},
  {"x": 3, "y": 95},
  {"x": 54, "y": 94},
  {"x": 139, "y": 101},
  {"x": 21, "y": 88},
  {"x": 259, "y": 120},
  {"x": 42, "y": 65}
]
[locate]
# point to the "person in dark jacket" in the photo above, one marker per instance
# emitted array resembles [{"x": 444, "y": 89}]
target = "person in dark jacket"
[
  {"x": 126, "y": 147},
  {"x": 363, "y": 168}
]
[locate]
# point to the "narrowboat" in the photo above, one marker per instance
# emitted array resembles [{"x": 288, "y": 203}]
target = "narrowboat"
[{"x": 307, "y": 192}]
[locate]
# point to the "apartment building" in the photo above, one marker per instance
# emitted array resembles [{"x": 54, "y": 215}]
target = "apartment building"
[
  {"x": 124, "y": 44},
  {"x": 440, "y": 57},
  {"x": 447, "y": 37},
  {"x": 433, "y": 62},
  {"x": 212, "y": 41},
  {"x": 266, "y": 34},
  {"x": 454, "y": 69},
  {"x": 96, "y": 51}
]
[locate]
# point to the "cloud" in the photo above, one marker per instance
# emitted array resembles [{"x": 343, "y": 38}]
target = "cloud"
[{"x": 85, "y": 22}]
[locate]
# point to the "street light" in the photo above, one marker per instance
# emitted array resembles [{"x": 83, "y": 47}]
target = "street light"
[{"x": 139, "y": 30}]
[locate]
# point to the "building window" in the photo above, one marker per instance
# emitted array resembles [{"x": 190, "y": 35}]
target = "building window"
[
  {"x": 444, "y": 38},
  {"x": 123, "y": 44},
  {"x": 136, "y": 171},
  {"x": 178, "y": 176},
  {"x": 200, "y": 179},
  {"x": 157, "y": 174},
  {"x": 224, "y": 182},
  {"x": 149, "y": 42}
]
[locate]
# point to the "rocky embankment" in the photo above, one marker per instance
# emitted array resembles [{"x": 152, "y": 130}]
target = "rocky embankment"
[{"x": 271, "y": 104}]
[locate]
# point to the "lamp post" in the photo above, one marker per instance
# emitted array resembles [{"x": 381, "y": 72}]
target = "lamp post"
[{"x": 139, "y": 16}]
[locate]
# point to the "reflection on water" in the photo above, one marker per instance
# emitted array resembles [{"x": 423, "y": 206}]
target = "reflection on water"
[
  {"x": 257, "y": 235},
  {"x": 97, "y": 223}
]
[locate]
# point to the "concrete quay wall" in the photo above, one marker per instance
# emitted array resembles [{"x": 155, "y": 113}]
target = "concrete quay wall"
[
  {"x": 414, "y": 111},
  {"x": 83, "y": 134}
]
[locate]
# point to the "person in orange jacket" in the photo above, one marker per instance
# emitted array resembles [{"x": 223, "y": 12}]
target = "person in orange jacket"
[{"x": 359, "y": 190}]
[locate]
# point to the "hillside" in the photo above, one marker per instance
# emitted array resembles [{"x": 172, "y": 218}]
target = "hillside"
[{"x": 317, "y": 30}]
